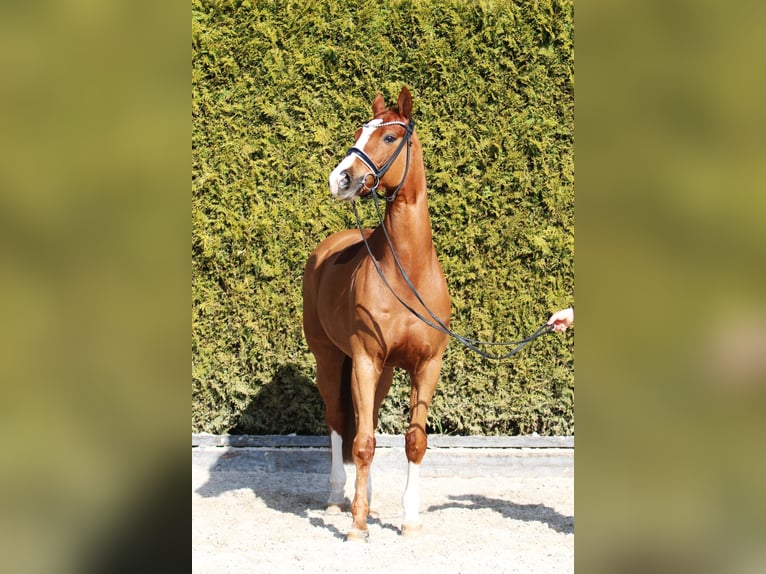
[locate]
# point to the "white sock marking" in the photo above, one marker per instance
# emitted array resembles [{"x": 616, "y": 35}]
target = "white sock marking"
[
  {"x": 411, "y": 497},
  {"x": 337, "y": 472}
]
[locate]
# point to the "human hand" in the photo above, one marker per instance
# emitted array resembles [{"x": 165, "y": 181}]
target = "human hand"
[{"x": 561, "y": 320}]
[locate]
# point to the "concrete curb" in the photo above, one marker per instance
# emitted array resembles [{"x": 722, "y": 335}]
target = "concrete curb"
[
  {"x": 384, "y": 441},
  {"x": 448, "y": 456}
]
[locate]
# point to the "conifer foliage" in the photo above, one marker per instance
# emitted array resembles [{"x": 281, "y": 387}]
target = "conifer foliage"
[{"x": 278, "y": 89}]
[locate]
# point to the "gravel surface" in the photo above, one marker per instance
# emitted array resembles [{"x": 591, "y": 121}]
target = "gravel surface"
[{"x": 483, "y": 510}]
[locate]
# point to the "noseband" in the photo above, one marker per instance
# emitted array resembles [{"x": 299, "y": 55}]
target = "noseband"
[{"x": 376, "y": 172}]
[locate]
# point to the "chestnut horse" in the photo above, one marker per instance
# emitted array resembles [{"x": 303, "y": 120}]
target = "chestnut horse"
[{"x": 356, "y": 328}]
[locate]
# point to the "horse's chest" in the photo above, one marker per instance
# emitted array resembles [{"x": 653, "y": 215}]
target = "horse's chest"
[
  {"x": 411, "y": 350},
  {"x": 399, "y": 337}
]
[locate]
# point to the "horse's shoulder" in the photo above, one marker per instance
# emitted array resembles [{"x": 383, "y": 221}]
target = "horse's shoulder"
[
  {"x": 347, "y": 254},
  {"x": 337, "y": 249}
]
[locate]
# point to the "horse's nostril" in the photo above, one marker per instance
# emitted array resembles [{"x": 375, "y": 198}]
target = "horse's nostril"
[{"x": 344, "y": 180}]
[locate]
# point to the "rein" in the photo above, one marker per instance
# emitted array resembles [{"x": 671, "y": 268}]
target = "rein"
[{"x": 437, "y": 323}]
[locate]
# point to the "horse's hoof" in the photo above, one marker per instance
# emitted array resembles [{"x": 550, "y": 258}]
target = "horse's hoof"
[
  {"x": 358, "y": 535},
  {"x": 334, "y": 509},
  {"x": 412, "y": 529}
]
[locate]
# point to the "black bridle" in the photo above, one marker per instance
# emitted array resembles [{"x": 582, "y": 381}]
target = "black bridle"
[
  {"x": 436, "y": 322},
  {"x": 376, "y": 172}
]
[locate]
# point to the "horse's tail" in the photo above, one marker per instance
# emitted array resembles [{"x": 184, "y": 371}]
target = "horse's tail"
[{"x": 347, "y": 404}]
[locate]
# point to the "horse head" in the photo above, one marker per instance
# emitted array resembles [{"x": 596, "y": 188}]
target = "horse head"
[{"x": 376, "y": 161}]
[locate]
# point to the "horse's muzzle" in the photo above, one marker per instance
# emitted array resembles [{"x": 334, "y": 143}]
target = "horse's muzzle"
[
  {"x": 344, "y": 181},
  {"x": 343, "y": 186}
]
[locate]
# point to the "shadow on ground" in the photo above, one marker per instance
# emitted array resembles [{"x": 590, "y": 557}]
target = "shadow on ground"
[
  {"x": 281, "y": 488},
  {"x": 526, "y": 512},
  {"x": 296, "y": 481}
]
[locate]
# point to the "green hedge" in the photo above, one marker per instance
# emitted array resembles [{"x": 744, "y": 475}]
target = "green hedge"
[{"x": 278, "y": 89}]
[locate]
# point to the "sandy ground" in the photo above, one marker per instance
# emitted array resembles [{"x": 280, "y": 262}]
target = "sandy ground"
[{"x": 483, "y": 510}]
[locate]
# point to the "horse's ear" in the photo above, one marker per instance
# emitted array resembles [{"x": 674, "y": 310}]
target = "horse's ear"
[
  {"x": 378, "y": 105},
  {"x": 405, "y": 103}
]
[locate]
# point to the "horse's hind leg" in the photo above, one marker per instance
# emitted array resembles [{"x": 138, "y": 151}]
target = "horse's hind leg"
[
  {"x": 329, "y": 380},
  {"x": 337, "y": 501},
  {"x": 423, "y": 386}
]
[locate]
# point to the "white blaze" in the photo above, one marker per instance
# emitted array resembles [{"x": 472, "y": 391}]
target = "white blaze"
[{"x": 347, "y": 161}]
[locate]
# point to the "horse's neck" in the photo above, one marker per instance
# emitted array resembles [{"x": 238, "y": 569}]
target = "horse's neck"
[{"x": 409, "y": 227}]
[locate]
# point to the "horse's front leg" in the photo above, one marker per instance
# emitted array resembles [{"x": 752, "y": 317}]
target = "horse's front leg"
[
  {"x": 424, "y": 381},
  {"x": 364, "y": 380}
]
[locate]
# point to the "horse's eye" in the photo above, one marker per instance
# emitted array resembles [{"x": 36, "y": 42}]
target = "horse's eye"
[{"x": 389, "y": 138}]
